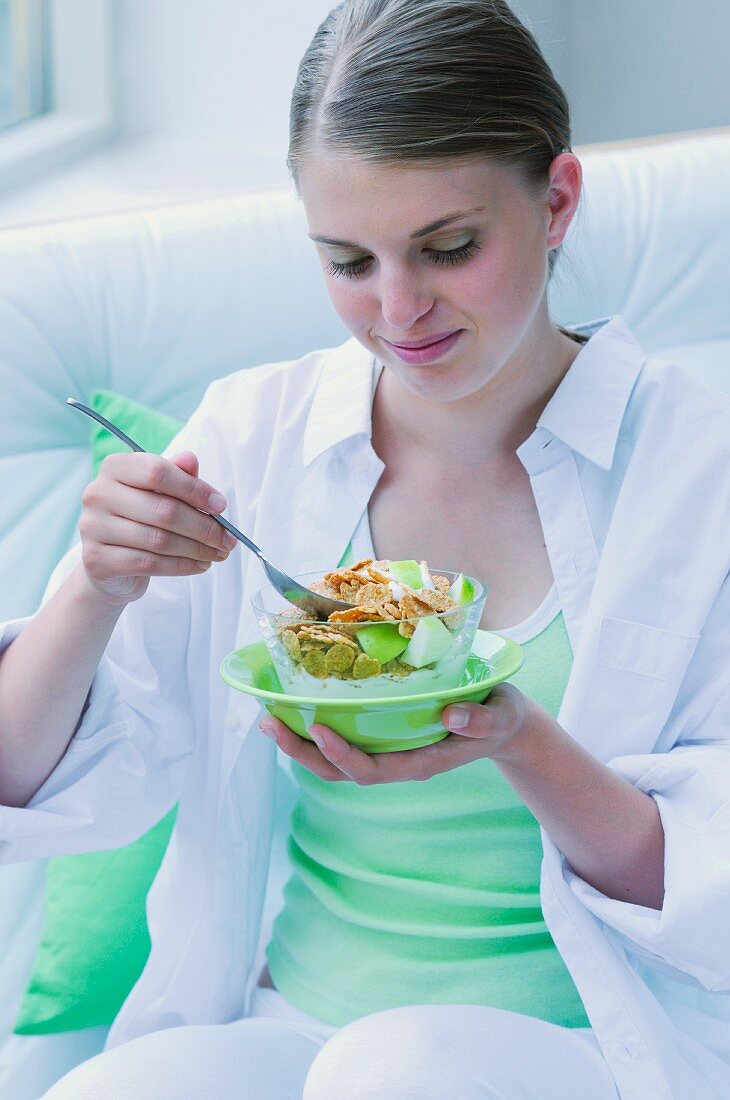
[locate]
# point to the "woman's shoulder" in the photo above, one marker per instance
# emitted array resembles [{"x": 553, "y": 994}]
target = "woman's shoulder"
[
  {"x": 252, "y": 400},
  {"x": 680, "y": 409},
  {"x": 279, "y": 377}
]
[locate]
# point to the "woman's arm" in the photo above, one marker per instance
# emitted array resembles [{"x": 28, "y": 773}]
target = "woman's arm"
[
  {"x": 143, "y": 516},
  {"x": 45, "y": 676},
  {"x": 610, "y": 832}
]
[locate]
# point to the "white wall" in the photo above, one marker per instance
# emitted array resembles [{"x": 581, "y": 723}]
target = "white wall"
[
  {"x": 640, "y": 67},
  {"x": 547, "y": 21},
  {"x": 221, "y": 73},
  {"x": 216, "y": 72}
]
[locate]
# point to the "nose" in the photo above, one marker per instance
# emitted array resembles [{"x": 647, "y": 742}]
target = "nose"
[{"x": 404, "y": 299}]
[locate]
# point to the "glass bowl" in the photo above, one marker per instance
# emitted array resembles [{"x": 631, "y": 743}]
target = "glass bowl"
[{"x": 378, "y": 660}]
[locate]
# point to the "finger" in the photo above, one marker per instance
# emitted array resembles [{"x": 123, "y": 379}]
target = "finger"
[
  {"x": 114, "y": 530},
  {"x": 403, "y": 766},
  {"x": 158, "y": 475},
  {"x": 104, "y": 562},
  {"x": 445, "y": 755},
  {"x": 299, "y": 749},
  {"x": 363, "y": 768},
  {"x": 167, "y": 514},
  {"x": 187, "y": 461},
  {"x": 498, "y": 716}
]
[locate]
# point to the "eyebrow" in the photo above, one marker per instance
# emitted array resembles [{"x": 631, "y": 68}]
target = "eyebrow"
[{"x": 438, "y": 224}]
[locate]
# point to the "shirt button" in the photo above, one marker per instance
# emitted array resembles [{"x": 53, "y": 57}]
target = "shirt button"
[{"x": 231, "y": 720}]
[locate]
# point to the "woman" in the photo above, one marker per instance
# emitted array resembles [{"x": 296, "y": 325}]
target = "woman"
[{"x": 420, "y": 949}]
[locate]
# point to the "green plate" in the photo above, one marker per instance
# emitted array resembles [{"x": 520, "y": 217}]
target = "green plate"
[{"x": 374, "y": 725}]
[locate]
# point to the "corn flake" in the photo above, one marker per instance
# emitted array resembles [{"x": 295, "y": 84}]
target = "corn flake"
[
  {"x": 437, "y": 601},
  {"x": 360, "y": 564},
  {"x": 365, "y": 667},
  {"x": 374, "y": 594},
  {"x": 356, "y": 615},
  {"x": 377, "y": 576},
  {"x": 454, "y": 619},
  {"x": 323, "y": 588},
  {"x": 339, "y": 658},
  {"x": 291, "y": 645},
  {"x": 315, "y": 662}
]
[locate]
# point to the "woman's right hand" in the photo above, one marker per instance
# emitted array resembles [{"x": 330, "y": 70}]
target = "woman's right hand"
[{"x": 142, "y": 518}]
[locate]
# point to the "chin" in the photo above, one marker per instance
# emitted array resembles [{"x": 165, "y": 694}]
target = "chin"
[{"x": 437, "y": 382}]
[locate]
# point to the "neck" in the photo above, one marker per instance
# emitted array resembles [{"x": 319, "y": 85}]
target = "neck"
[{"x": 487, "y": 426}]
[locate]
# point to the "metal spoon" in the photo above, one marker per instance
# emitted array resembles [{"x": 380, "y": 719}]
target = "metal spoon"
[{"x": 311, "y": 602}]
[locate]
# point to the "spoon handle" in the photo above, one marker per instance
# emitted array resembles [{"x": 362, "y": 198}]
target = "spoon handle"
[
  {"x": 136, "y": 447},
  {"x": 106, "y": 424}
]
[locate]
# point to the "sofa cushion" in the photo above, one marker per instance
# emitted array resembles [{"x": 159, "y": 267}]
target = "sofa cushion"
[
  {"x": 95, "y": 942},
  {"x": 151, "y": 429}
]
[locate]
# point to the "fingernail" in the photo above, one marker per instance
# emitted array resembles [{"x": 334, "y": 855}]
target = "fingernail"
[
  {"x": 317, "y": 738},
  {"x": 268, "y": 729},
  {"x": 216, "y": 502},
  {"x": 457, "y": 718}
]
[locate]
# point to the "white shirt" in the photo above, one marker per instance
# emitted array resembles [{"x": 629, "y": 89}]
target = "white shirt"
[{"x": 630, "y": 468}]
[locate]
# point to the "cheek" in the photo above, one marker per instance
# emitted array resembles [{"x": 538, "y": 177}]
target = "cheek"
[
  {"x": 511, "y": 277},
  {"x": 350, "y": 299}
]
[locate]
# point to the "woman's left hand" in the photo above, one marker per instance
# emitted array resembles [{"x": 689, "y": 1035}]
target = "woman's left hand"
[{"x": 492, "y": 728}]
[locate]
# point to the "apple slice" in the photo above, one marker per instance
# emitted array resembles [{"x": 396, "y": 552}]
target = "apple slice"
[
  {"x": 407, "y": 572},
  {"x": 426, "y": 578},
  {"x": 430, "y": 642},
  {"x": 381, "y": 641},
  {"x": 462, "y": 590}
]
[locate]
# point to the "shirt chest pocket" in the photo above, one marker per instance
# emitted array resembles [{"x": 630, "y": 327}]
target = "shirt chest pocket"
[
  {"x": 629, "y": 646},
  {"x": 631, "y": 687}
]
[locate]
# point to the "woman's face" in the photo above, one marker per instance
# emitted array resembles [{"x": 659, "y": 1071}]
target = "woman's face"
[{"x": 396, "y": 279}]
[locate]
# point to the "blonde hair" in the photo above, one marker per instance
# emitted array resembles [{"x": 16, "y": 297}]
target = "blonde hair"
[{"x": 399, "y": 81}]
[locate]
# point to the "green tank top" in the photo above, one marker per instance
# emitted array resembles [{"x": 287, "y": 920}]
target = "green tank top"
[{"x": 423, "y": 892}]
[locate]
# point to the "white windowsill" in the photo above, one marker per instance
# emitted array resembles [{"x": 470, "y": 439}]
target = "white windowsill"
[
  {"x": 43, "y": 143},
  {"x": 134, "y": 172}
]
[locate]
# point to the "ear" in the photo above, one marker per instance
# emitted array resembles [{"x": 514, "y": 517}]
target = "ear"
[{"x": 564, "y": 189}]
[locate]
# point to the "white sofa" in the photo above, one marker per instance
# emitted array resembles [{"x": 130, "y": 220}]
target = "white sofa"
[{"x": 157, "y": 303}]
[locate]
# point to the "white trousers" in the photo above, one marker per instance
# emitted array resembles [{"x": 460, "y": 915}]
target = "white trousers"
[{"x": 424, "y": 1052}]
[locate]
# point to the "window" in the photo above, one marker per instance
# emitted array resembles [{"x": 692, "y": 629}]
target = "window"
[
  {"x": 56, "y": 84},
  {"x": 24, "y": 72}
]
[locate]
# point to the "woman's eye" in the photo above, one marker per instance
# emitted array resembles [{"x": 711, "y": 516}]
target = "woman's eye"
[{"x": 353, "y": 268}]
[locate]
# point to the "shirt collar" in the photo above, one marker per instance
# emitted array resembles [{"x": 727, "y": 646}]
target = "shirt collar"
[
  {"x": 342, "y": 405},
  {"x": 587, "y": 409},
  {"x": 585, "y": 412}
]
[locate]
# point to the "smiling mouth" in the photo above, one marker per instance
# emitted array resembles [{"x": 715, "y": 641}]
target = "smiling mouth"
[{"x": 423, "y": 343}]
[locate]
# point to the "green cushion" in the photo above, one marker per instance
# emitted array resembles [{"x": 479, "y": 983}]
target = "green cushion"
[
  {"x": 95, "y": 941},
  {"x": 152, "y": 430}
]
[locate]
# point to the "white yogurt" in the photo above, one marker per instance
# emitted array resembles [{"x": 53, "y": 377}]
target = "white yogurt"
[{"x": 445, "y": 674}]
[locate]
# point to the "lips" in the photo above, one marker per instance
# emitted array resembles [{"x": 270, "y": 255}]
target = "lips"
[
  {"x": 422, "y": 343},
  {"x": 427, "y": 353}
]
